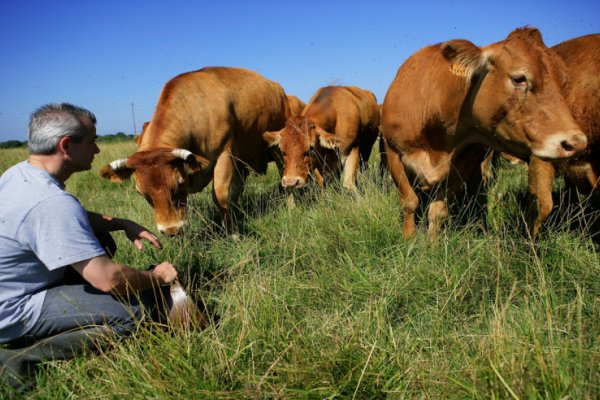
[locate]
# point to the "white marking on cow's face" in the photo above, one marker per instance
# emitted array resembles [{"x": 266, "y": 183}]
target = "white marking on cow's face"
[
  {"x": 295, "y": 182},
  {"x": 172, "y": 229}
]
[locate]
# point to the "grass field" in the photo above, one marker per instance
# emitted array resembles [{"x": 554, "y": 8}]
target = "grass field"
[{"x": 325, "y": 300}]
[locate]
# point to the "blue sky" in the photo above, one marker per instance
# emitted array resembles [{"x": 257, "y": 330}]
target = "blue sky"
[{"x": 106, "y": 55}]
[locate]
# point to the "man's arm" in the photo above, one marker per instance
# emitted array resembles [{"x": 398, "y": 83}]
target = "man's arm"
[
  {"x": 108, "y": 276},
  {"x": 135, "y": 232}
]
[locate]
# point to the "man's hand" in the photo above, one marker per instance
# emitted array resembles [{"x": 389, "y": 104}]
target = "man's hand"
[
  {"x": 164, "y": 272},
  {"x": 136, "y": 233},
  {"x": 108, "y": 276}
]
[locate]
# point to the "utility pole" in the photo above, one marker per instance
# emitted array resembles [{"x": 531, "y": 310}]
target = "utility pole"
[{"x": 133, "y": 117}]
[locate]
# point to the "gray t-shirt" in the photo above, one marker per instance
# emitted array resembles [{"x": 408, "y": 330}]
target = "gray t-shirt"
[{"x": 42, "y": 230}]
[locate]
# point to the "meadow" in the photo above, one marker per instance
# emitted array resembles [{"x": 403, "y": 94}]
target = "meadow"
[{"x": 326, "y": 300}]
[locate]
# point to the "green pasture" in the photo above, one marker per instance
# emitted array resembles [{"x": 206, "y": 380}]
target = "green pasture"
[{"x": 326, "y": 300}]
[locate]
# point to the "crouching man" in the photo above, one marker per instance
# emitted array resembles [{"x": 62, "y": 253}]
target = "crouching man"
[{"x": 44, "y": 232}]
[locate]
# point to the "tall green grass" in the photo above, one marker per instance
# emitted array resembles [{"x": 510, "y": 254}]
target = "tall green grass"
[{"x": 326, "y": 300}]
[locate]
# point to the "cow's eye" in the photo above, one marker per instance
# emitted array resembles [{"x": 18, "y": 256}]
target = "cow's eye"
[
  {"x": 519, "y": 80},
  {"x": 306, "y": 153}
]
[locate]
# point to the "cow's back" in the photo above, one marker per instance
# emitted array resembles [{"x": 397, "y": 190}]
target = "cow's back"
[
  {"x": 350, "y": 104},
  {"x": 214, "y": 108},
  {"x": 296, "y": 105}
]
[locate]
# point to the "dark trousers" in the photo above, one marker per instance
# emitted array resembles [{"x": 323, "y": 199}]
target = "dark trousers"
[{"x": 76, "y": 317}]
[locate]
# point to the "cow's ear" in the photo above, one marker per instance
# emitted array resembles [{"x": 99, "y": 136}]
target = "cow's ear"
[
  {"x": 116, "y": 171},
  {"x": 465, "y": 58},
  {"x": 191, "y": 161},
  {"x": 198, "y": 164},
  {"x": 272, "y": 137},
  {"x": 527, "y": 33},
  {"x": 326, "y": 139}
]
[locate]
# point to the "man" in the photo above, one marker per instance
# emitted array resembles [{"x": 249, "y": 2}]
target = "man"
[{"x": 45, "y": 230}]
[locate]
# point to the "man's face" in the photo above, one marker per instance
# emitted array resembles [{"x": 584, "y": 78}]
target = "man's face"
[{"x": 82, "y": 152}]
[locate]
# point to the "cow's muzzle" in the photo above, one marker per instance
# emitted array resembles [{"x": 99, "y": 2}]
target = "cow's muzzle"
[
  {"x": 562, "y": 145},
  {"x": 172, "y": 229},
  {"x": 294, "y": 182}
]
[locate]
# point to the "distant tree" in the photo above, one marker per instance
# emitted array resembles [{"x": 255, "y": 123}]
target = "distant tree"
[
  {"x": 12, "y": 144},
  {"x": 117, "y": 137}
]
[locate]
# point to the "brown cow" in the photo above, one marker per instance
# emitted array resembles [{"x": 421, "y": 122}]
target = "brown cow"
[
  {"x": 208, "y": 125},
  {"x": 339, "y": 123},
  {"x": 451, "y": 100},
  {"x": 296, "y": 105},
  {"x": 582, "y": 57}
]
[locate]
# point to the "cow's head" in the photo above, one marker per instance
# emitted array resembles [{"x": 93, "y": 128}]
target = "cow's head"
[
  {"x": 162, "y": 176},
  {"x": 299, "y": 142},
  {"x": 515, "y": 96}
]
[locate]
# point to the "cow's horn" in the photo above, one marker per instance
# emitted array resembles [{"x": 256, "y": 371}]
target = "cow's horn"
[
  {"x": 118, "y": 164},
  {"x": 181, "y": 153}
]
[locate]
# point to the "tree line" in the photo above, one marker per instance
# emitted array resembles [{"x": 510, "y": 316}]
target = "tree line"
[{"x": 117, "y": 137}]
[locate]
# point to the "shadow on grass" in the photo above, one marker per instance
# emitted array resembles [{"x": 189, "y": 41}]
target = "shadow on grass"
[{"x": 575, "y": 213}]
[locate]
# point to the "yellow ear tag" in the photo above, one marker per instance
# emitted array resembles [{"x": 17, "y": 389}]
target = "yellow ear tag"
[{"x": 458, "y": 70}]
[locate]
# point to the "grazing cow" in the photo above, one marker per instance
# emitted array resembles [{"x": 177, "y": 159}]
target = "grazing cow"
[
  {"x": 296, "y": 105},
  {"x": 451, "y": 100},
  {"x": 582, "y": 57},
  {"x": 208, "y": 125},
  {"x": 339, "y": 123}
]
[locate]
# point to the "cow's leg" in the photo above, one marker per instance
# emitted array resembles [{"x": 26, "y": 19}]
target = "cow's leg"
[
  {"x": 464, "y": 177},
  {"x": 327, "y": 168},
  {"x": 488, "y": 168},
  {"x": 437, "y": 213},
  {"x": 350, "y": 168},
  {"x": 237, "y": 183},
  {"x": 593, "y": 176},
  {"x": 408, "y": 198},
  {"x": 319, "y": 177},
  {"x": 223, "y": 175},
  {"x": 383, "y": 162},
  {"x": 541, "y": 177},
  {"x": 365, "y": 146}
]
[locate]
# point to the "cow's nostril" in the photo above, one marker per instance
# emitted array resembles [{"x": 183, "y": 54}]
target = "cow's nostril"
[
  {"x": 567, "y": 146},
  {"x": 575, "y": 143}
]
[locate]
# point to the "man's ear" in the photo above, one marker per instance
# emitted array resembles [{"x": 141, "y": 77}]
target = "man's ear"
[{"x": 63, "y": 144}]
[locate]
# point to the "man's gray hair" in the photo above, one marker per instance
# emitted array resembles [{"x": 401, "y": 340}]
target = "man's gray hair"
[{"x": 51, "y": 122}]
